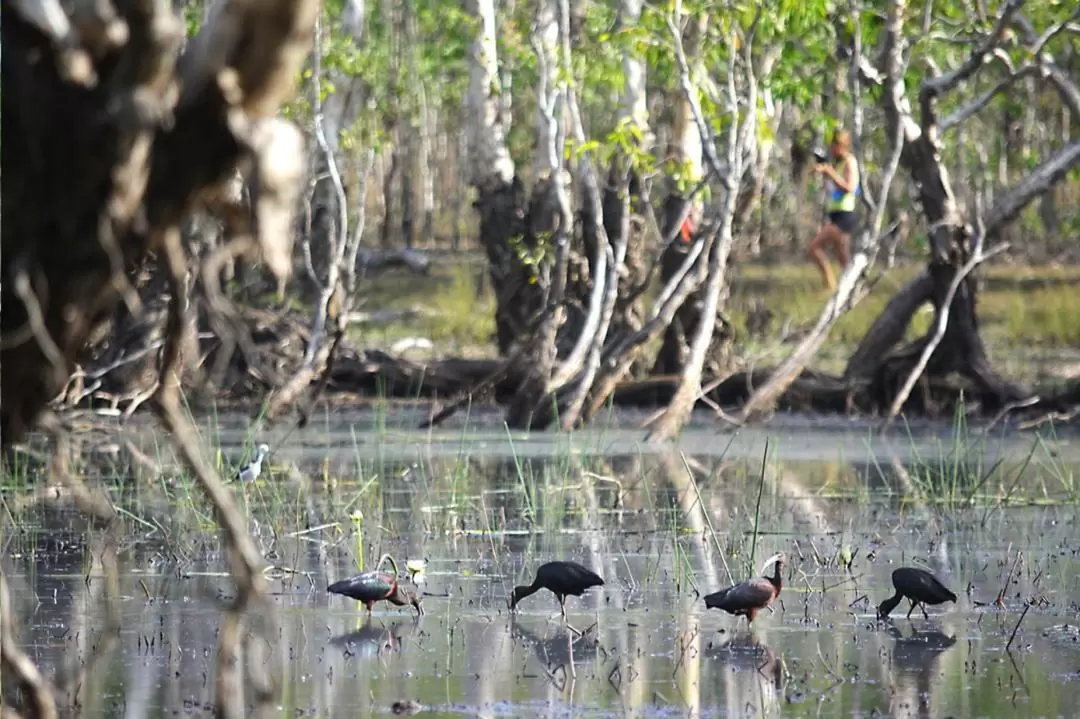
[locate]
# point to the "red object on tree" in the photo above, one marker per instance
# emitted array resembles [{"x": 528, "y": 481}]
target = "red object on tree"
[{"x": 687, "y": 229}]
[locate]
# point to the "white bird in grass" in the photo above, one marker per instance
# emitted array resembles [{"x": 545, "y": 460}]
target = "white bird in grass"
[{"x": 253, "y": 469}]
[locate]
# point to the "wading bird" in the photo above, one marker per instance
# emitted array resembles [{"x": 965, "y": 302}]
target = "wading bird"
[
  {"x": 374, "y": 586},
  {"x": 748, "y": 598},
  {"x": 919, "y": 586},
  {"x": 562, "y": 579},
  {"x": 251, "y": 471}
]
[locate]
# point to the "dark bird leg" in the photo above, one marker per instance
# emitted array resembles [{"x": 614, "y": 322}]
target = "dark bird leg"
[
  {"x": 912, "y": 609},
  {"x": 924, "y": 614},
  {"x": 562, "y": 610}
]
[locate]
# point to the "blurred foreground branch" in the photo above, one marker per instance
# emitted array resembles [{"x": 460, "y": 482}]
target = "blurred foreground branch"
[{"x": 167, "y": 132}]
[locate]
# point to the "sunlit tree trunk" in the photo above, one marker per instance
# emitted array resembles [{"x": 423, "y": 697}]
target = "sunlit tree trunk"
[
  {"x": 410, "y": 125},
  {"x": 551, "y": 228},
  {"x": 687, "y": 153},
  {"x": 634, "y": 110},
  {"x": 500, "y": 198},
  {"x": 342, "y": 109},
  {"x": 427, "y": 128},
  {"x": 392, "y": 15}
]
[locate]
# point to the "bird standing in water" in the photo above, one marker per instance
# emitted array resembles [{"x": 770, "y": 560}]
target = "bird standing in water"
[
  {"x": 251, "y": 471},
  {"x": 748, "y": 598},
  {"x": 562, "y": 579},
  {"x": 374, "y": 586},
  {"x": 920, "y": 586}
]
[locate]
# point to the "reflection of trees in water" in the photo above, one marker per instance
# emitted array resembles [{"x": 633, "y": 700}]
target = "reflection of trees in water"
[
  {"x": 751, "y": 675},
  {"x": 69, "y": 580},
  {"x": 914, "y": 663}
]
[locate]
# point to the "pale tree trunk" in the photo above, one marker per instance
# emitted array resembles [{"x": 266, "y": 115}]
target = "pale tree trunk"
[
  {"x": 687, "y": 152},
  {"x": 408, "y": 127},
  {"x": 428, "y": 127},
  {"x": 564, "y": 387},
  {"x": 341, "y": 110},
  {"x": 391, "y": 10},
  {"x": 634, "y": 110},
  {"x": 487, "y": 156},
  {"x": 606, "y": 235},
  {"x": 751, "y": 194},
  {"x": 739, "y": 139},
  {"x": 506, "y": 70},
  {"x": 337, "y": 283},
  {"x": 577, "y": 372},
  {"x": 500, "y": 197},
  {"x": 549, "y": 221}
]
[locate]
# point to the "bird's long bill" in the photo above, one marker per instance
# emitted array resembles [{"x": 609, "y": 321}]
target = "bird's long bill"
[{"x": 774, "y": 558}]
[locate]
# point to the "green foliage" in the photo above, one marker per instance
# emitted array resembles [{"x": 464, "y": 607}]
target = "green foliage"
[{"x": 531, "y": 258}]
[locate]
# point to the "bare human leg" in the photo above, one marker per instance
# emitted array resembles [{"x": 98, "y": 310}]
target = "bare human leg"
[
  {"x": 816, "y": 254},
  {"x": 842, "y": 248}
]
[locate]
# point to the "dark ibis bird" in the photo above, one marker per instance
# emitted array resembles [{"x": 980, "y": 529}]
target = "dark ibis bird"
[
  {"x": 563, "y": 579},
  {"x": 374, "y": 586},
  {"x": 919, "y": 586},
  {"x": 750, "y": 597}
]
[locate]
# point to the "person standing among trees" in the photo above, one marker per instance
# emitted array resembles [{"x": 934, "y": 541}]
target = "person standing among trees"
[{"x": 841, "y": 182}]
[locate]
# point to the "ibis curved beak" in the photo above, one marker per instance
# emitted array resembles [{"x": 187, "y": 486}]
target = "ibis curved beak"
[{"x": 779, "y": 556}]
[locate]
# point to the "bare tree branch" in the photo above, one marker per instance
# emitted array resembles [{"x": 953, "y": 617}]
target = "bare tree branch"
[
  {"x": 967, "y": 111},
  {"x": 1034, "y": 185},
  {"x": 978, "y": 256},
  {"x": 936, "y": 87}
]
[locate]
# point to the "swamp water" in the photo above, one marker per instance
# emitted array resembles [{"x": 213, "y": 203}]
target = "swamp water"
[{"x": 130, "y": 623}]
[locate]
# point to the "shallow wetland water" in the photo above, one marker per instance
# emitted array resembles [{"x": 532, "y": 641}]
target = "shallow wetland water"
[{"x": 989, "y": 515}]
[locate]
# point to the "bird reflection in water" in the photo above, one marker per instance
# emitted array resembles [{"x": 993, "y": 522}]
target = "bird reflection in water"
[
  {"x": 373, "y": 638},
  {"x": 558, "y": 654},
  {"x": 915, "y": 660},
  {"x": 751, "y": 674},
  {"x": 745, "y": 652}
]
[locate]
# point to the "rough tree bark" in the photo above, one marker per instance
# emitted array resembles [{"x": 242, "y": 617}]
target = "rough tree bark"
[
  {"x": 549, "y": 219},
  {"x": 740, "y": 137},
  {"x": 688, "y": 153},
  {"x": 622, "y": 185},
  {"x": 500, "y": 198},
  {"x": 111, "y": 153},
  {"x": 392, "y": 120},
  {"x": 150, "y": 159},
  {"x": 961, "y": 350}
]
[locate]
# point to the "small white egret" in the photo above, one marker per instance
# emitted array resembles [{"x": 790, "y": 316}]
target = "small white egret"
[{"x": 253, "y": 469}]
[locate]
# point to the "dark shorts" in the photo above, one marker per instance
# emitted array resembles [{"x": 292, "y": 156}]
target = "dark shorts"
[{"x": 844, "y": 220}]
